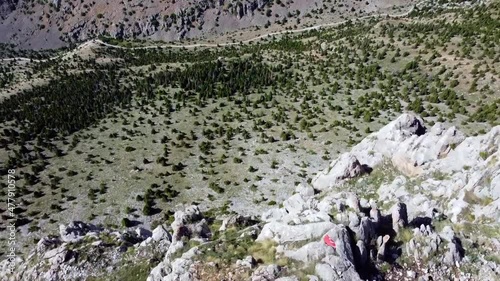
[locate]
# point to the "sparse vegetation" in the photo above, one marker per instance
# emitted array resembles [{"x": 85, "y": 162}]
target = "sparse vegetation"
[{"x": 147, "y": 130}]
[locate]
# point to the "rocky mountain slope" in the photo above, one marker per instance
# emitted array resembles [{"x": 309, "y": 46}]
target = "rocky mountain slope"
[
  {"x": 41, "y": 24},
  {"x": 409, "y": 202}
]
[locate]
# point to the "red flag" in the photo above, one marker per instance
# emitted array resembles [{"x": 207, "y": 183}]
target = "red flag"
[{"x": 329, "y": 241}]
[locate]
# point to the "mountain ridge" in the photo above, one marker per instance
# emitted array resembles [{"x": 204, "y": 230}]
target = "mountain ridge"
[{"x": 59, "y": 23}]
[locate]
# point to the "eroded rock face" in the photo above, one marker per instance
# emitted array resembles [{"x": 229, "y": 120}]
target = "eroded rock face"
[
  {"x": 407, "y": 143},
  {"x": 415, "y": 151},
  {"x": 343, "y": 269},
  {"x": 188, "y": 224},
  {"x": 342, "y": 238},
  {"x": 47, "y": 243},
  {"x": 371, "y": 151},
  {"x": 166, "y": 21},
  {"x": 424, "y": 244}
]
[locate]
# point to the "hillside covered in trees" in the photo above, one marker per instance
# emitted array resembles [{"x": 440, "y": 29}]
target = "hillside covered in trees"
[{"x": 122, "y": 138}]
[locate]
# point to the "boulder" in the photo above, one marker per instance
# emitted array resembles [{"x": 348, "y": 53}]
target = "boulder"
[
  {"x": 143, "y": 233},
  {"x": 47, "y": 243},
  {"x": 181, "y": 271},
  {"x": 403, "y": 127},
  {"x": 174, "y": 247},
  {"x": 447, "y": 234},
  {"x": 130, "y": 238},
  {"x": 353, "y": 220},
  {"x": 161, "y": 233},
  {"x": 345, "y": 167},
  {"x": 295, "y": 204},
  {"x": 158, "y": 272},
  {"x": 189, "y": 215},
  {"x": 331, "y": 202},
  {"x": 236, "y": 221},
  {"x": 190, "y": 223},
  {"x": 200, "y": 230},
  {"x": 312, "y": 278},
  {"x": 59, "y": 255},
  {"x": 76, "y": 230},
  {"x": 274, "y": 214},
  {"x": 310, "y": 252},
  {"x": 282, "y": 233},
  {"x": 406, "y": 165},
  {"x": 56, "y": 3},
  {"x": 146, "y": 242},
  {"x": 248, "y": 262},
  {"x": 266, "y": 273},
  {"x": 344, "y": 269},
  {"x": 324, "y": 46},
  {"x": 325, "y": 272},
  {"x": 304, "y": 190}
]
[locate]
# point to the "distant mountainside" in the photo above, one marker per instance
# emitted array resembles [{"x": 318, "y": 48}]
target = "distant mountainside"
[{"x": 55, "y": 23}]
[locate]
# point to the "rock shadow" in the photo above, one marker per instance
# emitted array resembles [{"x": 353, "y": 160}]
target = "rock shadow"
[
  {"x": 418, "y": 221},
  {"x": 367, "y": 169},
  {"x": 366, "y": 270},
  {"x": 134, "y": 223}
]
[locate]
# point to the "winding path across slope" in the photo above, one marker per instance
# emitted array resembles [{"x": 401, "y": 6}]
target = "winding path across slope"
[{"x": 206, "y": 45}]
